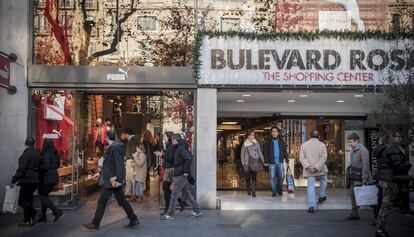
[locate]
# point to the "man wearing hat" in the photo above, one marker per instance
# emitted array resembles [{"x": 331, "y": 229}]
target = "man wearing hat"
[{"x": 113, "y": 177}]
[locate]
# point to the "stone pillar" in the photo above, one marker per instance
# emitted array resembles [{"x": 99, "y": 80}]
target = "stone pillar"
[
  {"x": 206, "y": 147},
  {"x": 13, "y": 108}
]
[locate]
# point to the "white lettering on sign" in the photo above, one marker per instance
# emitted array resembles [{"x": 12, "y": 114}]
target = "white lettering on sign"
[
  {"x": 322, "y": 61},
  {"x": 50, "y": 136},
  {"x": 116, "y": 77}
]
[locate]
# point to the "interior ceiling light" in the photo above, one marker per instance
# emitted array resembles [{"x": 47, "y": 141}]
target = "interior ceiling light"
[
  {"x": 291, "y": 101},
  {"x": 303, "y": 96},
  {"x": 229, "y": 123},
  {"x": 340, "y": 101},
  {"x": 246, "y": 95},
  {"x": 240, "y": 101},
  {"x": 358, "y": 96}
]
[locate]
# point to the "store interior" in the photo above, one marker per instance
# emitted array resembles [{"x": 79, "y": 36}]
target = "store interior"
[
  {"x": 231, "y": 131},
  {"x": 73, "y": 119}
]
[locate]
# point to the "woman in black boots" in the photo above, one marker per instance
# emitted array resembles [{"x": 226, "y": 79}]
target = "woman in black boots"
[
  {"x": 49, "y": 177},
  {"x": 252, "y": 161}
]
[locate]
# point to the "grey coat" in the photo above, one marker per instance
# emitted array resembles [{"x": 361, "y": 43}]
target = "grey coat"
[
  {"x": 251, "y": 149},
  {"x": 360, "y": 159}
]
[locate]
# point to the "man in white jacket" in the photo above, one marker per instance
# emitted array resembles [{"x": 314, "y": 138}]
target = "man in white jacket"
[{"x": 313, "y": 156}]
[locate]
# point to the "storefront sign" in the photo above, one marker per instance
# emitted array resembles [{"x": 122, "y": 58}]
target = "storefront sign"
[
  {"x": 234, "y": 60},
  {"x": 372, "y": 143},
  {"x": 4, "y": 70},
  {"x": 122, "y": 76}
]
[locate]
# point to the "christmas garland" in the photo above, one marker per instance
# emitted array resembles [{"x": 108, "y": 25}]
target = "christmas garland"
[{"x": 308, "y": 36}]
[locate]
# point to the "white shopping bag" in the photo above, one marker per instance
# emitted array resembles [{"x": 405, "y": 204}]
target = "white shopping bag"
[
  {"x": 11, "y": 201},
  {"x": 366, "y": 195}
]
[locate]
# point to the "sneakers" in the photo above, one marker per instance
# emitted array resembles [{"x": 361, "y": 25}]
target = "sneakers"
[
  {"x": 311, "y": 210},
  {"x": 91, "y": 227},
  {"x": 196, "y": 213},
  {"x": 321, "y": 199},
  {"x": 24, "y": 224},
  {"x": 274, "y": 195},
  {"x": 167, "y": 217},
  {"x": 381, "y": 233}
]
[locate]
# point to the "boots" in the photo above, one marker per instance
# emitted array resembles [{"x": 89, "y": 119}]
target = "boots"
[
  {"x": 133, "y": 198},
  {"x": 253, "y": 188},
  {"x": 248, "y": 187},
  {"x": 141, "y": 199}
]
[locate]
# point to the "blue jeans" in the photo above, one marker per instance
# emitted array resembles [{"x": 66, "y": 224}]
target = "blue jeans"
[
  {"x": 134, "y": 186},
  {"x": 140, "y": 191},
  {"x": 311, "y": 188},
  {"x": 279, "y": 170}
]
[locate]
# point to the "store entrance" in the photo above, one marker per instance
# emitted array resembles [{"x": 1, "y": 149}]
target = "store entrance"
[
  {"x": 231, "y": 135},
  {"x": 79, "y": 135}
]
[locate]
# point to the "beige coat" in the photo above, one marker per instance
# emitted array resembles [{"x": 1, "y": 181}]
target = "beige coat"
[
  {"x": 313, "y": 153},
  {"x": 140, "y": 167}
]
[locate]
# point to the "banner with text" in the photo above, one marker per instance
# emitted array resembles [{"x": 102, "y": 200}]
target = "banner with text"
[{"x": 236, "y": 61}]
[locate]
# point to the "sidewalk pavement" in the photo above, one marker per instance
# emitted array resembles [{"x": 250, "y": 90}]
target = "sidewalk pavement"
[{"x": 264, "y": 223}]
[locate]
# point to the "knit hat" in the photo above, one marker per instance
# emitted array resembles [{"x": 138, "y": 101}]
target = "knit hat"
[
  {"x": 179, "y": 136},
  {"x": 111, "y": 135}
]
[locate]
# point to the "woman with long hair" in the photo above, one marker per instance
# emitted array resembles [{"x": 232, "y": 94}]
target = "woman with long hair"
[
  {"x": 49, "y": 177},
  {"x": 140, "y": 169},
  {"x": 252, "y": 161},
  {"x": 149, "y": 145}
]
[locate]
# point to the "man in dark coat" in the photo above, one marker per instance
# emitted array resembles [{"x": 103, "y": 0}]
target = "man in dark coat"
[
  {"x": 275, "y": 153},
  {"x": 113, "y": 178},
  {"x": 182, "y": 170},
  {"x": 27, "y": 177}
]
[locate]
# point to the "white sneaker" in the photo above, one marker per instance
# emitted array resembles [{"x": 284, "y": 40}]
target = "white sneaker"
[
  {"x": 196, "y": 214},
  {"x": 167, "y": 217}
]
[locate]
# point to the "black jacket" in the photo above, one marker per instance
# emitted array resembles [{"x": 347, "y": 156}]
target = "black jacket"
[
  {"x": 169, "y": 157},
  {"x": 269, "y": 154},
  {"x": 182, "y": 159},
  {"x": 113, "y": 164},
  {"x": 391, "y": 161},
  {"x": 28, "y": 170},
  {"x": 49, "y": 163}
]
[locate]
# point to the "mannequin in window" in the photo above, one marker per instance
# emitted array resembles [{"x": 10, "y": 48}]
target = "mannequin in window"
[{"x": 99, "y": 134}]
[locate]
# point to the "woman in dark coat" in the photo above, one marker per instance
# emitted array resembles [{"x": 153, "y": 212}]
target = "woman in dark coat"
[
  {"x": 27, "y": 177},
  {"x": 49, "y": 177}
]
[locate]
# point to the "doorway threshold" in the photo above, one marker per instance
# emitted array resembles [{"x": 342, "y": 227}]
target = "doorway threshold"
[{"x": 337, "y": 198}]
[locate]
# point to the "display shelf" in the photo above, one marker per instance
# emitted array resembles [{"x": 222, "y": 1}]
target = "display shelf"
[{"x": 63, "y": 171}]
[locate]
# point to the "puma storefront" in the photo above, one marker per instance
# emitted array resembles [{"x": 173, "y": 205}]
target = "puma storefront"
[{"x": 327, "y": 81}]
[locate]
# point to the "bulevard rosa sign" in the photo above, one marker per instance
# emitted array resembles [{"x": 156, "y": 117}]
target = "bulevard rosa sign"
[{"x": 237, "y": 61}]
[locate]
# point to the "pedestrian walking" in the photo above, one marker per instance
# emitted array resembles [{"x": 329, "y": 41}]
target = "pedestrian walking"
[
  {"x": 27, "y": 177},
  {"x": 182, "y": 171},
  {"x": 275, "y": 154},
  {"x": 393, "y": 161},
  {"x": 252, "y": 161},
  {"x": 49, "y": 177},
  {"x": 140, "y": 170},
  {"x": 132, "y": 143},
  {"x": 113, "y": 178},
  {"x": 312, "y": 156},
  {"x": 359, "y": 172},
  {"x": 149, "y": 144}
]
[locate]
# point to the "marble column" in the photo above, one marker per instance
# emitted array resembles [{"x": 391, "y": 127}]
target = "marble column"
[{"x": 206, "y": 147}]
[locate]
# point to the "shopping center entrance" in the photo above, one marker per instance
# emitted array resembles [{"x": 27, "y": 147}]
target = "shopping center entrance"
[{"x": 296, "y": 113}]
